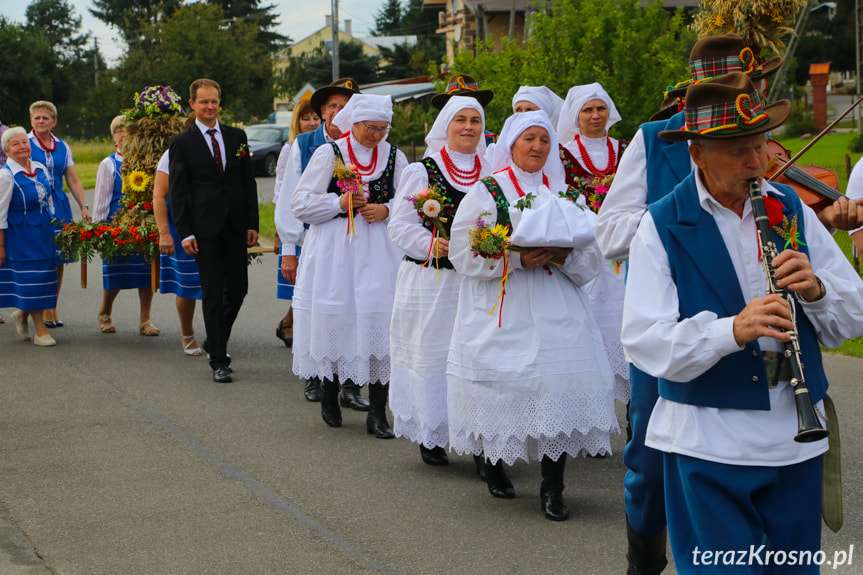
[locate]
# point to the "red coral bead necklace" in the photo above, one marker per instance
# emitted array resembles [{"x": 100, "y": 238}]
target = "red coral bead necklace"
[
  {"x": 362, "y": 170},
  {"x": 588, "y": 163},
  {"x": 461, "y": 177}
]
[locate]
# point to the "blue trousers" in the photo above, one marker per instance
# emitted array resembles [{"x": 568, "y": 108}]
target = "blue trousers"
[
  {"x": 644, "y": 495},
  {"x": 734, "y": 510}
]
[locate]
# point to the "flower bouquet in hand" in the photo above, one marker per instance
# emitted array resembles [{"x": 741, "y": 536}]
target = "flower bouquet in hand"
[
  {"x": 487, "y": 241},
  {"x": 431, "y": 205},
  {"x": 349, "y": 182},
  {"x": 491, "y": 242},
  {"x": 593, "y": 189}
]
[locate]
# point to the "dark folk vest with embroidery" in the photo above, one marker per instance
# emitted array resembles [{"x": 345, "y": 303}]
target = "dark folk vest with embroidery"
[
  {"x": 381, "y": 190},
  {"x": 452, "y": 199}
]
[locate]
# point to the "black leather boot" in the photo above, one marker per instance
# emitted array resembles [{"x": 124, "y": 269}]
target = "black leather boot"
[
  {"x": 479, "y": 462},
  {"x": 312, "y": 391},
  {"x": 376, "y": 422},
  {"x": 646, "y": 555},
  {"x": 498, "y": 483},
  {"x": 551, "y": 490},
  {"x": 434, "y": 456},
  {"x": 330, "y": 412},
  {"x": 351, "y": 397}
]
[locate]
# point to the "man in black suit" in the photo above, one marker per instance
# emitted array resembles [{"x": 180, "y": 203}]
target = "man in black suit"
[{"x": 214, "y": 202}]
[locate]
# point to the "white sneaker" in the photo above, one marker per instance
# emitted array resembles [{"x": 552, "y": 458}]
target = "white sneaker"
[
  {"x": 23, "y": 328},
  {"x": 44, "y": 340}
]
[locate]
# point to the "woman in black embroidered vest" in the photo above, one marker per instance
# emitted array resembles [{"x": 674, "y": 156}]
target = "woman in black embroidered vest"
[
  {"x": 531, "y": 380},
  {"x": 590, "y": 154},
  {"x": 427, "y": 287},
  {"x": 346, "y": 279}
]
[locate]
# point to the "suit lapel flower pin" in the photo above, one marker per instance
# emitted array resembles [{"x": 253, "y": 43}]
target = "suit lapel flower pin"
[{"x": 242, "y": 151}]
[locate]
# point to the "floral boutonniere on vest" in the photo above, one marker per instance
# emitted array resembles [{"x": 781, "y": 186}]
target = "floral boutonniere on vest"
[
  {"x": 787, "y": 230},
  {"x": 242, "y": 151}
]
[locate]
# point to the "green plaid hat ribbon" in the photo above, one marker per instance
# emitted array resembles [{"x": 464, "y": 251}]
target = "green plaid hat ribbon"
[{"x": 744, "y": 113}]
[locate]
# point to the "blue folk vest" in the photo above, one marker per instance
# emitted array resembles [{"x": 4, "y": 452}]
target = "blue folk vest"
[
  {"x": 668, "y": 163},
  {"x": 56, "y": 163},
  {"x": 308, "y": 143},
  {"x": 706, "y": 281}
]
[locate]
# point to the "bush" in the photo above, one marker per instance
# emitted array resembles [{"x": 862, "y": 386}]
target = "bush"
[
  {"x": 856, "y": 144},
  {"x": 799, "y": 122}
]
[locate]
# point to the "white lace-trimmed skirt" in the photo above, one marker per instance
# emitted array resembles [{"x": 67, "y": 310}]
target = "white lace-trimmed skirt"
[
  {"x": 606, "y": 297},
  {"x": 424, "y": 310},
  {"x": 343, "y": 302},
  {"x": 538, "y": 385}
]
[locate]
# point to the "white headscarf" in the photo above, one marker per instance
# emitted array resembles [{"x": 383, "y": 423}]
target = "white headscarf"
[
  {"x": 576, "y": 98},
  {"x": 548, "y": 101},
  {"x": 512, "y": 129},
  {"x": 437, "y": 138},
  {"x": 364, "y": 108}
]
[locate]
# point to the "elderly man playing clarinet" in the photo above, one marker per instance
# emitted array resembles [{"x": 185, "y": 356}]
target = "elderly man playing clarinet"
[{"x": 698, "y": 319}]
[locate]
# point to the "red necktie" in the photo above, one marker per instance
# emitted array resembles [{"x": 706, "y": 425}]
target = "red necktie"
[{"x": 217, "y": 151}]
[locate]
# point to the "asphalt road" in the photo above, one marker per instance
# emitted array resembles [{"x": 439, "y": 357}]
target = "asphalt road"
[{"x": 120, "y": 456}]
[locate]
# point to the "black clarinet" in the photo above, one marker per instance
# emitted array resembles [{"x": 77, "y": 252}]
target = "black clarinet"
[{"x": 808, "y": 425}]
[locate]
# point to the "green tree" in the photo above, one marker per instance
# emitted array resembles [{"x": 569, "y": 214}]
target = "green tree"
[
  {"x": 634, "y": 52},
  {"x": 388, "y": 19},
  {"x": 131, "y": 16},
  {"x": 262, "y": 17},
  {"x": 27, "y": 64},
  {"x": 195, "y": 43},
  {"x": 57, "y": 21}
]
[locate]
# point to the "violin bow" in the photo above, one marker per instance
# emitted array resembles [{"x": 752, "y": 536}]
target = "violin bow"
[{"x": 814, "y": 140}]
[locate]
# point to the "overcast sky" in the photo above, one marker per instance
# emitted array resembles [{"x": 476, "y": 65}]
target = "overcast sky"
[{"x": 298, "y": 19}]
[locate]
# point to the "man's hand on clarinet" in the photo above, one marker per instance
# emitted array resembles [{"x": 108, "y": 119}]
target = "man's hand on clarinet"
[
  {"x": 767, "y": 316},
  {"x": 794, "y": 272}
]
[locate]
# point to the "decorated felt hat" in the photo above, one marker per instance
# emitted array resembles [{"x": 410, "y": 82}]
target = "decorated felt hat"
[
  {"x": 346, "y": 86},
  {"x": 670, "y": 106},
  {"x": 727, "y": 107},
  {"x": 462, "y": 85},
  {"x": 715, "y": 56}
]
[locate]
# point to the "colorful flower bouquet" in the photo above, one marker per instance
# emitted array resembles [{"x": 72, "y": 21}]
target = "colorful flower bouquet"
[
  {"x": 430, "y": 204},
  {"x": 487, "y": 241},
  {"x": 491, "y": 242},
  {"x": 155, "y": 102},
  {"x": 349, "y": 182},
  {"x": 593, "y": 189}
]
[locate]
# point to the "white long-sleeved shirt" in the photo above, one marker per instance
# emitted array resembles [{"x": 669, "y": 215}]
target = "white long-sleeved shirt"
[
  {"x": 625, "y": 202},
  {"x": 661, "y": 344},
  {"x": 312, "y": 204},
  {"x": 405, "y": 226}
]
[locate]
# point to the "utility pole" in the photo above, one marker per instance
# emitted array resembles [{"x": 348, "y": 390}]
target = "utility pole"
[
  {"x": 335, "y": 4},
  {"x": 96, "y": 61}
]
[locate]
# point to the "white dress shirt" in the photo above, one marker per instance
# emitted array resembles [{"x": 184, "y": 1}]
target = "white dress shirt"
[
  {"x": 625, "y": 202},
  {"x": 661, "y": 344}
]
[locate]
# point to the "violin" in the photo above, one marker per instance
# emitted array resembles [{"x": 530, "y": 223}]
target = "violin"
[{"x": 817, "y": 187}]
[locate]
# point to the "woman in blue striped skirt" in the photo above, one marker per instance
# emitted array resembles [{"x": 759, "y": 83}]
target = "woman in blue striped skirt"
[
  {"x": 179, "y": 271},
  {"x": 28, "y": 267},
  {"x": 126, "y": 273}
]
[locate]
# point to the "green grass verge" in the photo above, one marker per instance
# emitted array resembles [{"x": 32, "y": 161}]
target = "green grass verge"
[
  {"x": 829, "y": 153},
  {"x": 267, "y": 222}
]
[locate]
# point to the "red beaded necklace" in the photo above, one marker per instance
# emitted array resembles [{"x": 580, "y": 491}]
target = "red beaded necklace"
[
  {"x": 43, "y": 146},
  {"x": 515, "y": 182},
  {"x": 28, "y": 174},
  {"x": 585, "y": 158},
  {"x": 368, "y": 169},
  {"x": 461, "y": 177}
]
